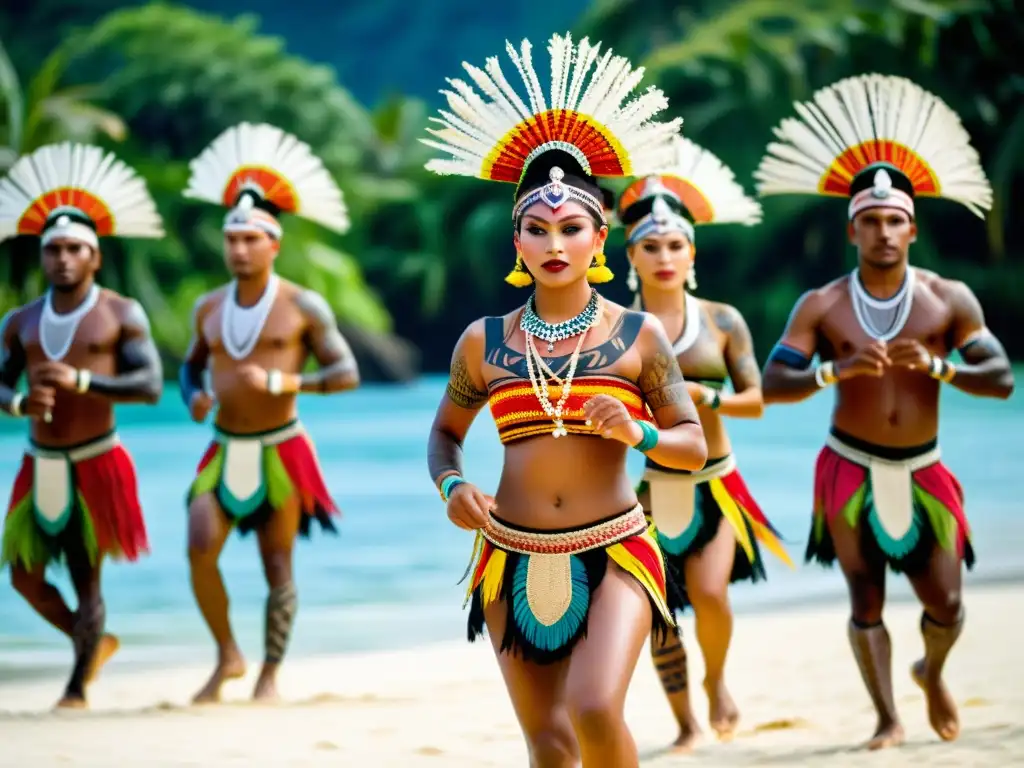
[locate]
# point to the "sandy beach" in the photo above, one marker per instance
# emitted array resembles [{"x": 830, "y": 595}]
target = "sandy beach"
[{"x": 791, "y": 673}]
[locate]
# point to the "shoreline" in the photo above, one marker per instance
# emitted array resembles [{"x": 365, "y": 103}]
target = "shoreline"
[
  {"x": 900, "y": 594},
  {"x": 445, "y": 704}
]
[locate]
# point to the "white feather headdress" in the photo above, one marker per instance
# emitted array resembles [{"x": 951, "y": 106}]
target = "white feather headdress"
[
  {"x": 78, "y": 191},
  {"x": 701, "y": 182},
  {"x": 259, "y": 170},
  {"x": 590, "y": 113},
  {"x": 875, "y": 123}
]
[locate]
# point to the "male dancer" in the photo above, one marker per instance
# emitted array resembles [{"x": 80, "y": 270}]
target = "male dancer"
[
  {"x": 261, "y": 471},
  {"x": 84, "y": 348},
  {"x": 883, "y": 335}
]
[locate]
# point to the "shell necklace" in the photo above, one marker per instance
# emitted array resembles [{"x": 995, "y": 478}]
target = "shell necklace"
[
  {"x": 882, "y": 319},
  {"x": 240, "y": 327},
  {"x": 56, "y": 332},
  {"x": 540, "y": 373}
]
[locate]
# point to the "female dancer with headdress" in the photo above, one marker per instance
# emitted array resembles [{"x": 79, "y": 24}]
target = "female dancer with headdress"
[
  {"x": 707, "y": 523},
  {"x": 565, "y": 572}
]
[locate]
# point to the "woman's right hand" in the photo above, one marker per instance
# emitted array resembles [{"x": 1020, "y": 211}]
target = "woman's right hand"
[{"x": 469, "y": 507}]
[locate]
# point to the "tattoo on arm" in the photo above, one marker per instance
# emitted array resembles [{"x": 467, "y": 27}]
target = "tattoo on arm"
[
  {"x": 663, "y": 385},
  {"x": 12, "y": 361},
  {"x": 444, "y": 454},
  {"x": 461, "y": 389},
  {"x": 739, "y": 353},
  {"x": 338, "y": 368},
  {"x": 190, "y": 376},
  {"x": 140, "y": 371}
]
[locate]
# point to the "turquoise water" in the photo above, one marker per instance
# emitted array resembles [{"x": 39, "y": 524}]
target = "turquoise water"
[{"x": 390, "y": 578}]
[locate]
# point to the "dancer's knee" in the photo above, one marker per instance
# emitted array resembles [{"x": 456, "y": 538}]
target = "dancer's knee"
[
  {"x": 596, "y": 718},
  {"x": 552, "y": 748},
  {"x": 946, "y": 608}
]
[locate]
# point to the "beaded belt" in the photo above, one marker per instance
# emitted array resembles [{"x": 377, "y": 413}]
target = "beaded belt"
[
  {"x": 78, "y": 453},
  {"x": 596, "y": 536}
]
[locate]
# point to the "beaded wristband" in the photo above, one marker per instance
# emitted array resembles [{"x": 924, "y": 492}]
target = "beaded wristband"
[
  {"x": 940, "y": 369},
  {"x": 650, "y": 438},
  {"x": 449, "y": 484},
  {"x": 275, "y": 382},
  {"x": 82, "y": 380},
  {"x": 716, "y": 400},
  {"x": 825, "y": 374},
  {"x": 15, "y": 404}
]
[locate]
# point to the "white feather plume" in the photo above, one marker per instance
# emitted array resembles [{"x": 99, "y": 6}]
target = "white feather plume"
[
  {"x": 600, "y": 87},
  {"x": 68, "y": 169},
  {"x": 867, "y": 108},
  {"x": 316, "y": 195},
  {"x": 705, "y": 172}
]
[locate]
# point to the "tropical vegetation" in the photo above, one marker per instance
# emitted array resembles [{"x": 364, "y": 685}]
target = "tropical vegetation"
[{"x": 426, "y": 255}]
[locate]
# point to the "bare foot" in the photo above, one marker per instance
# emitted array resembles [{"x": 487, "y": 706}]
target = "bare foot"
[
  {"x": 266, "y": 686},
  {"x": 724, "y": 714},
  {"x": 230, "y": 667},
  {"x": 689, "y": 736},
  {"x": 72, "y": 701},
  {"x": 942, "y": 712},
  {"x": 108, "y": 647},
  {"x": 888, "y": 735},
  {"x": 266, "y": 690}
]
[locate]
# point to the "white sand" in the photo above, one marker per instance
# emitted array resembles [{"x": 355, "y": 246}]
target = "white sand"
[{"x": 791, "y": 673}]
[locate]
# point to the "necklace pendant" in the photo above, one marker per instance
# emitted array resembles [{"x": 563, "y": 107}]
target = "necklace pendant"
[
  {"x": 551, "y": 346},
  {"x": 559, "y": 429}
]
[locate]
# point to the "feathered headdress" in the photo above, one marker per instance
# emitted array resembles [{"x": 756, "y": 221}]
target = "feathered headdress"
[
  {"x": 552, "y": 147},
  {"x": 259, "y": 171},
  {"x": 75, "y": 191},
  {"x": 879, "y": 140},
  {"x": 697, "y": 188}
]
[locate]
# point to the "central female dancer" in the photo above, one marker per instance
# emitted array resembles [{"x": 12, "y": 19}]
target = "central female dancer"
[
  {"x": 565, "y": 573},
  {"x": 707, "y": 523}
]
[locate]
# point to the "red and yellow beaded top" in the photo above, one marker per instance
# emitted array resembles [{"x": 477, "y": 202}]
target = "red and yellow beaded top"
[{"x": 518, "y": 415}]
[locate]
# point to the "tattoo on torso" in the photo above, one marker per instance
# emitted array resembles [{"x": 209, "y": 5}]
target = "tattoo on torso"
[{"x": 593, "y": 361}]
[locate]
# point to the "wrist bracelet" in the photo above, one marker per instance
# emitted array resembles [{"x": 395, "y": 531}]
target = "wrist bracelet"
[
  {"x": 82, "y": 381},
  {"x": 650, "y": 438},
  {"x": 825, "y": 374},
  {"x": 716, "y": 400},
  {"x": 941, "y": 369},
  {"x": 275, "y": 382},
  {"x": 448, "y": 485},
  {"x": 15, "y": 404}
]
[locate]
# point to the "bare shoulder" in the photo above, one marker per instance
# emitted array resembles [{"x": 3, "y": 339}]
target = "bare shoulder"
[
  {"x": 817, "y": 302},
  {"x": 11, "y": 321},
  {"x": 208, "y": 302},
  {"x": 309, "y": 302},
  {"x": 947, "y": 290},
  {"x": 473, "y": 337},
  {"x": 725, "y": 316}
]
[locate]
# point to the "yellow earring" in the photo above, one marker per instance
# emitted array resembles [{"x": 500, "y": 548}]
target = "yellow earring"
[
  {"x": 598, "y": 272},
  {"x": 519, "y": 277}
]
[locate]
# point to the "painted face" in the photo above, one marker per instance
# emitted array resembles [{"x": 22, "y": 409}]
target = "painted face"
[
  {"x": 249, "y": 253},
  {"x": 663, "y": 261},
  {"x": 67, "y": 262},
  {"x": 883, "y": 236},
  {"x": 558, "y": 246}
]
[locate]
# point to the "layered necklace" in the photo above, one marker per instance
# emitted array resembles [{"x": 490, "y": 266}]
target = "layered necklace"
[
  {"x": 56, "y": 332},
  {"x": 240, "y": 327},
  {"x": 538, "y": 370},
  {"x": 531, "y": 324},
  {"x": 882, "y": 319}
]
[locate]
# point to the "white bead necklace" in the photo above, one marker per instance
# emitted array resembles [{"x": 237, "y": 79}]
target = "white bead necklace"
[
  {"x": 57, "y": 332},
  {"x": 539, "y": 382}
]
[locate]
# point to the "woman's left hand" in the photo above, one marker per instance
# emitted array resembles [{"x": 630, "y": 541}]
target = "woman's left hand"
[{"x": 610, "y": 419}]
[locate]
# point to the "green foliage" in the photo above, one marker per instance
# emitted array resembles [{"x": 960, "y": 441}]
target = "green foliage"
[
  {"x": 434, "y": 250},
  {"x": 733, "y": 69}
]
